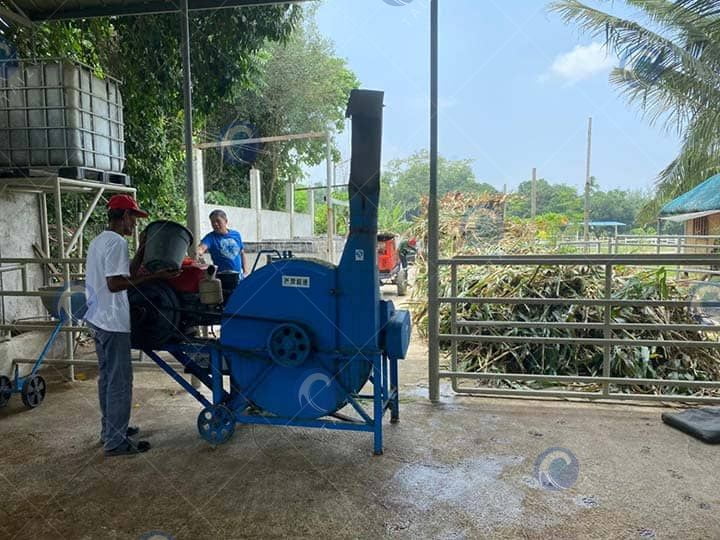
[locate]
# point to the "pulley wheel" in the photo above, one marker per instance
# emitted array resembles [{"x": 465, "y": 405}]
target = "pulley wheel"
[
  {"x": 289, "y": 345},
  {"x": 33, "y": 391},
  {"x": 5, "y": 390},
  {"x": 216, "y": 424}
]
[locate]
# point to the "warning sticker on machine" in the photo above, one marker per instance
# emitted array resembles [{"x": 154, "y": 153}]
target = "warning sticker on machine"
[{"x": 296, "y": 281}]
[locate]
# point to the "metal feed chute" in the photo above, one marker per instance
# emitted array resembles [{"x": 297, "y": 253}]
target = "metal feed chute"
[{"x": 299, "y": 338}]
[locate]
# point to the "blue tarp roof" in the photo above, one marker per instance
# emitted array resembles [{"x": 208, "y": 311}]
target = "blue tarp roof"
[{"x": 702, "y": 198}]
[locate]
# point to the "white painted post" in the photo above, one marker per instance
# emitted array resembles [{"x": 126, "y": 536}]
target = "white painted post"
[
  {"x": 199, "y": 181},
  {"x": 290, "y": 206},
  {"x": 311, "y": 210},
  {"x": 256, "y": 201},
  {"x": 330, "y": 215}
]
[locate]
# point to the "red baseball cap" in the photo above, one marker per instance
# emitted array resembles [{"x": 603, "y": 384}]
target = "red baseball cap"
[{"x": 125, "y": 202}]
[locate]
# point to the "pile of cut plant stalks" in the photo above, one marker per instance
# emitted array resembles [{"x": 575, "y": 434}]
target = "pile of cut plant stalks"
[{"x": 670, "y": 361}]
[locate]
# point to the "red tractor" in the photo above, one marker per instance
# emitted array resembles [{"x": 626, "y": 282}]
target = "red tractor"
[{"x": 390, "y": 268}]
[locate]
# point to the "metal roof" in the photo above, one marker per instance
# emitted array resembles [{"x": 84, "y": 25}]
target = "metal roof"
[
  {"x": 702, "y": 198},
  {"x": 27, "y": 11},
  {"x": 607, "y": 224}
]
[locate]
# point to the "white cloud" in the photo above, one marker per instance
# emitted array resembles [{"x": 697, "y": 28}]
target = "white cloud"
[{"x": 583, "y": 62}]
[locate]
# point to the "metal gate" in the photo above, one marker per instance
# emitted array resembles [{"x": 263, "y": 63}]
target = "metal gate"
[{"x": 614, "y": 334}]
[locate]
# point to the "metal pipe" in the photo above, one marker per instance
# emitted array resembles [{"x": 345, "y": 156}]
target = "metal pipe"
[
  {"x": 40, "y": 260},
  {"x": 193, "y": 212},
  {"x": 60, "y": 229},
  {"x": 84, "y": 220},
  {"x": 45, "y": 234},
  {"x": 589, "y": 326},
  {"x": 93, "y": 363},
  {"x": 433, "y": 251},
  {"x": 453, "y": 323},
  {"x": 330, "y": 210},
  {"x": 38, "y": 326},
  {"x": 607, "y": 332},
  {"x": 581, "y": 260},
  {"x": 577, "y": 302},
  {"x": 587, "y": 395},
  {"x": 275, "y": 138},
  {"x": 581, "y": 341},
  {"x": 574, "y": 379}
]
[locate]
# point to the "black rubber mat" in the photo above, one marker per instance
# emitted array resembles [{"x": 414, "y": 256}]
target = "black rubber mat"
[{"x": 703, "y": 424}]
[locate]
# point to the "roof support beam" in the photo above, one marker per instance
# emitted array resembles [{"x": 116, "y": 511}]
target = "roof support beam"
[{"x": 153, "y": 7}]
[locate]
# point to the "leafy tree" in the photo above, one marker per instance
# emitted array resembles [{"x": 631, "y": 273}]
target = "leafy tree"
[
  {"x": 551, "y": 199},
  {"x": 301, "y": 86},
  {"x": 616, "y": 205},
  {"x": 144, "y": 53},
  {"x": 406, "y": 181},
  {"x": 671, "y": 57}
]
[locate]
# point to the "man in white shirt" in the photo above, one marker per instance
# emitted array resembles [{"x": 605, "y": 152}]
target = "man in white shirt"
[{"x": 109, "y": 275}]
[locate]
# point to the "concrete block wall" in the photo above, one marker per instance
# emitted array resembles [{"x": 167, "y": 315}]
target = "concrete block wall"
[
  {"x": 273, "y": 225},
  {"x": 20, "y": 225}
]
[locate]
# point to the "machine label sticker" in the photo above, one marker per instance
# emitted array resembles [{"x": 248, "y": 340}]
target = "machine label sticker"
[
  {"x": 296, "y": 281},
  {"x": 359, "y": 254}
]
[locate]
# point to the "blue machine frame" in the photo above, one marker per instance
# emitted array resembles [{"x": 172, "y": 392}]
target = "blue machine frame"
[
  {"x": 302, "y": 351},
  {"x": 385, "y": 396},
  {"x": 31, "y": 387}
]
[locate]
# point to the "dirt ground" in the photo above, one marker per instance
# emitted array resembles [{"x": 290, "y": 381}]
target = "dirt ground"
[{"x": 464, "y": 468}]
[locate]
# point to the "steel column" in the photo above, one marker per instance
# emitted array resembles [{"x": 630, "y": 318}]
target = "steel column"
[
  {"x": 330, "y": 210},
  {"x": 70, "y": 337},
  {"x": 193, "y": 211},
  {"x": 433, "y": 252},
  {"x": 607, "y": 330}
]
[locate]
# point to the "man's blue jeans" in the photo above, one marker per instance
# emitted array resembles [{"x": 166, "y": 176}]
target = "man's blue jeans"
[{"x": 114, "y": 384}]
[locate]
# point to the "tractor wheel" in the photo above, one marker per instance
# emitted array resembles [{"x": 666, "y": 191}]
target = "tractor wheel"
[{"x": 401, "y": 282}]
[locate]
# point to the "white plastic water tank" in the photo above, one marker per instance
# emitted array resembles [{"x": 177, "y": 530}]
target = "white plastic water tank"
[{"x": 60, "y": 114}]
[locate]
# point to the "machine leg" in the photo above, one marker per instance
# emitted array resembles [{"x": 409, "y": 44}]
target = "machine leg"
[
  {"x": 378, "y": 404},
  {"x": 394, "y": 387},
  {"x": 217, "y": 378}
]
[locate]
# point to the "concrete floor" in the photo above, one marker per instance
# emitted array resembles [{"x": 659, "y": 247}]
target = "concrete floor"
[{"x": 461, "y": 469}]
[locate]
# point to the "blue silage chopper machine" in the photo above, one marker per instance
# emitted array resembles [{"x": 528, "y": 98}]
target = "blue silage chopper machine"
[{"x": 299, "y": 338}]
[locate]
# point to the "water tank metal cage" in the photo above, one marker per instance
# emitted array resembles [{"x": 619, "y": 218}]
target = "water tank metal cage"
[{"x": 56, "y": 113}]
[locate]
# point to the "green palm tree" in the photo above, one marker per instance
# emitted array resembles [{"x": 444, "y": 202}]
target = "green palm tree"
[{"x": 670, "y": 68}]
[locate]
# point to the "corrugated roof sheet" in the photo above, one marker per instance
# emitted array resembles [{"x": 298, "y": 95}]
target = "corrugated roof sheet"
[
  {"x": 701, "y": 198},
  {"x": 42, "y": 10},
  {"x": 607, "y": 224}
]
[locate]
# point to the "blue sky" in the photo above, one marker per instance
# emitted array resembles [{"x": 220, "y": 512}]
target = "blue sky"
[{"x": 516, "y": 89}]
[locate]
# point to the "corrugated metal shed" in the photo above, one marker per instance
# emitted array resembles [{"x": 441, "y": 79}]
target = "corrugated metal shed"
[
  {"x": 44, "y": 10},
  {"x": 704, "y": 198}
]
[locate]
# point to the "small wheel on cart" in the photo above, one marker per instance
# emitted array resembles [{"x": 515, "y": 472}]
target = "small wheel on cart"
[
  {"x": 216, "y": 424},
  {"x": 401, "y": 281},
  {"x": 33, "y": 391},
  {"x": 5, "y": 390}
]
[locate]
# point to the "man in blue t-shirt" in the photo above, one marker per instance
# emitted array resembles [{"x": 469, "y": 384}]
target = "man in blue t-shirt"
[{"x": 224, "y": 245}]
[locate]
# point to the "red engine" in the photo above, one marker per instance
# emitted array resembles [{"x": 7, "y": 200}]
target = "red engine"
[{"x": 191, "y": 272}]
